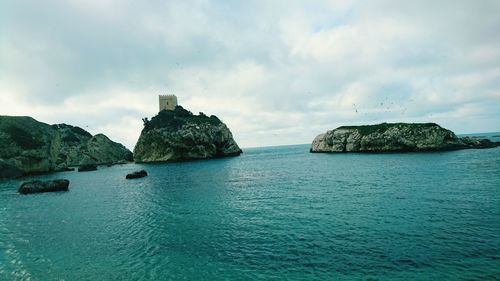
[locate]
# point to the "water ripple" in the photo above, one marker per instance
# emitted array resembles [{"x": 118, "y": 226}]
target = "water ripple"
[{"x": 272, "y": 214}]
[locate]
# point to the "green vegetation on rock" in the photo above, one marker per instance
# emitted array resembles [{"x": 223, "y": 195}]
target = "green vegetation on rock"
[
  {"x": 28, "y": 147},
  {"x": 22, "y": 138},
  {"x": 73, "y": 129},
  {"x": 174, "y": 119},
  {"x": 369, "y": 129},
  {"x": 394, "y": 137}
]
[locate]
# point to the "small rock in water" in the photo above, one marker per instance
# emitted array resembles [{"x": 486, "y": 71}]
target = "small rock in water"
[
  {"x": 44, "y": 186},
  {"x": 88, "y": 167},
  {"x": 137, "y": 174}
]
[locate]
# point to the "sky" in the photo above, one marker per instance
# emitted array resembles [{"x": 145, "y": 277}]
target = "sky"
[{"x": 276, "y": 72}]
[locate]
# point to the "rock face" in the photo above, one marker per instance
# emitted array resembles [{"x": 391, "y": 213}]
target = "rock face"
[
  {"x": 395, "y": 137},
  {"x": 179, "y": 135},
  {"x": 43, "y": 186},
  {"x": 9, "y": 171},
  {"x": 28, "y": 146}
]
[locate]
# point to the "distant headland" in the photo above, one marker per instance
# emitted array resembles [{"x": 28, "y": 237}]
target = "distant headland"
[{"x": 394, "y": 137}]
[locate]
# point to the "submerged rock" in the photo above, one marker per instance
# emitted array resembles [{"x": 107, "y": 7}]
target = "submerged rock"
[
  {"x": 394, "y": 137},
  {"x": 177, "y": 135},
  {"x": 87, "y": 168},
  {"x": 44, "y": 186},
  {"x": 137, "y": 174},
  {"x": 32, "y": 147}
]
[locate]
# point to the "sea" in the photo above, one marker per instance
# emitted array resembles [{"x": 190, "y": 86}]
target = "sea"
[{"x": 273, "y": 213}]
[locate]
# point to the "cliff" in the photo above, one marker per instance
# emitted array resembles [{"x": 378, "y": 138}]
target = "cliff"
[
  {"x": 28, "y": 146},
  {"x": 177, "y": 135},
  {"x": 395, "y": 137}
]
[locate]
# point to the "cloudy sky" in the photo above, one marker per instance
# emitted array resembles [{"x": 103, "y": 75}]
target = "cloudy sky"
[{"x": 276, "y": 72}]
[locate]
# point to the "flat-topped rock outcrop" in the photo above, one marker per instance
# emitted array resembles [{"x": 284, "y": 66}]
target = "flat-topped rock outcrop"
[
  {"x": 394, "y": 137},
  {"x": 178, "y": 135}
]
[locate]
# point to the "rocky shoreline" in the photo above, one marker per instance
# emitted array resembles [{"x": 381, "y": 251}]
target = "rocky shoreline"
[
  {"x": 394, "y": 137},
  {"x": 30, "y": 147}
]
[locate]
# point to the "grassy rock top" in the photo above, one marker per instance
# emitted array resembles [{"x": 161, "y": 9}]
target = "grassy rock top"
[
  {"x": 175, "y": 119},
  {"x": 380, "y": 128}
]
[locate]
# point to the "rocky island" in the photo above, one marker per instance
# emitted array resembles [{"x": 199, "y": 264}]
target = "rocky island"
[
  {"x": 28, "y": 146},
  {"x": 394, "y": 137},
  {"x": 178, "y": 135}
]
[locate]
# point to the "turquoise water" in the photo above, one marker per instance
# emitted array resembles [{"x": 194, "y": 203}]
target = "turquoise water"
[{"x": 272, "y": 214}]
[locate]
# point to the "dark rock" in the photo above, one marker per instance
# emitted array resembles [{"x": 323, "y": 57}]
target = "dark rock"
[
  {"x": 394, "y": 137},
  {"x": 9, "y": 171},
  {"x": 470, "y": 142},
  {"x": 86, "y": 168},
  {"x": 137, "y": 174},
  {"x": 44, "y": 186}
]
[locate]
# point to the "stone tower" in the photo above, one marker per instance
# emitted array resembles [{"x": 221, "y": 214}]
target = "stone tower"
[{"x": 168, "y": 102}]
